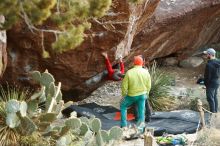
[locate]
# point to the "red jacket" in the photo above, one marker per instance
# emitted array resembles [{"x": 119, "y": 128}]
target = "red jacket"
[{"x": 111, "y": 70}]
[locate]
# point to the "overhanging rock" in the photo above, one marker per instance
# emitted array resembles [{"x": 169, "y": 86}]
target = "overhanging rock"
[{"x": 154, "y": 28}]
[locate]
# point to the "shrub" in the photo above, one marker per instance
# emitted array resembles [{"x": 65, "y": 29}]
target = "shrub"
[
  {"x": 9, "y": 136},
  {"x": 71, "y": 18},
  {"x": 159, "y": 94}
]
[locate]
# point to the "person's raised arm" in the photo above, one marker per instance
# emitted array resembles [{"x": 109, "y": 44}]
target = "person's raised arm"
[
  {"x": 108, "y": 63},
  {"x": 122, "y": 67}
]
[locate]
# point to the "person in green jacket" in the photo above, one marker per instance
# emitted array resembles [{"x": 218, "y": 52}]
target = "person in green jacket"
[{"x": 136, "y": 86}]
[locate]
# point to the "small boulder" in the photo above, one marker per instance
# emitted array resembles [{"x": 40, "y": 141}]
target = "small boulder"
[
  {"x": 191, "y": 62},
  {"x": 171, "y": 61}
]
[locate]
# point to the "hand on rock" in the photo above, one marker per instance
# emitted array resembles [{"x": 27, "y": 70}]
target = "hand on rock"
[
  {"x": 120, "y": 58},
  {"x": 105, "y": 54}
]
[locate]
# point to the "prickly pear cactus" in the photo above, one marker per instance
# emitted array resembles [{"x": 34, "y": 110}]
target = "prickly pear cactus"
[
  {"x": 47, "y": 117},
  {"x": 73, "y": 123},
  {"x": 12, "y": 106},
  {"x": 105, "y": 136},
  {"x": 49, "y": 93},
  {"x": 32, "y": 107},
  {"x": 102, "y": 137},
  {"x": 99, "y": 139},
  {"x": 38, "y": 94},
  {"x": 96, "y": 125},
  {"x": 27, "y": 126},
  {"x": 83, "y": 129},
  {"x": 36, "y": 75},
  {"x": 115, "y": 133},
  {"x": 12, "y": 120},
  {"x": 64, "y": 130},
  {"x": 23, "y": 108},
  {"x": 41, "y": 112},
  {"x": 46, "y": 79},
  {"x": 85, "y": 120},
  {"x": 52, "y": 89}
]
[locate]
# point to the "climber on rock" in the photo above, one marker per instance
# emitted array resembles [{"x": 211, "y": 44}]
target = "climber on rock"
[{"x": 117, "y": 73}]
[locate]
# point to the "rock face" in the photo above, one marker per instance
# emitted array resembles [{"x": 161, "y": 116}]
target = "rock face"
[
  {"x": 179, "y": 27},
  {"x": 154, "y": 28}
]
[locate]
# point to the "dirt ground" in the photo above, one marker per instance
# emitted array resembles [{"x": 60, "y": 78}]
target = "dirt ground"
[{"x": 185, "y": 82}]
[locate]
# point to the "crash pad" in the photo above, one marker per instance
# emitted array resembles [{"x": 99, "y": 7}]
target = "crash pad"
[{"x": 174, "y": 122}]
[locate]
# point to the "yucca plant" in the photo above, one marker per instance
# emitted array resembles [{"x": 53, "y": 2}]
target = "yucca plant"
[
  {"x": 159, "y": 93},
  {"x": 13, "y": 92},
  {"x": 9, "y": 136}
]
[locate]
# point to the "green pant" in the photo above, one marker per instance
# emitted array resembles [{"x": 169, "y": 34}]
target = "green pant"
[{"x": 128, "y": 101}]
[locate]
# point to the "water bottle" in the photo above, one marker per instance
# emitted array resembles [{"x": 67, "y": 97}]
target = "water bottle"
[{"x": 175, "y": 142}]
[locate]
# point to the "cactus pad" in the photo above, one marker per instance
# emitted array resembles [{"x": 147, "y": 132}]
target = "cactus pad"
[
  {"x": 27, "y": 126},
  {"x": 23, "y": 108},
  {"x": 83, "y": 129},
  {"x": 32, "y": 106},
  {"x": 47, "y": 117},
  {"x": 73, "y": 123},
  {"x": 96, "y": 125},
  {"x": 99, "y": 140},
  {"x": 85, "y": 120},
  {"x": 105, "y": 136},
  {"x": 12, "y": 120},
  {"x": 115, "y": 133},
  {"x": 36, "y": 75},
  {"x": 12, "y": 106},
  {"x": 46, "y": 79}
]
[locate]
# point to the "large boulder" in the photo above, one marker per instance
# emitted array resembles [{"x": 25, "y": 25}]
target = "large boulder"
[
  {"x": 191, "y": 62},
  {"x": 179, "y": 27},
  {"x": 154, "y": 28},
  {"x": 170, "y": 61}
]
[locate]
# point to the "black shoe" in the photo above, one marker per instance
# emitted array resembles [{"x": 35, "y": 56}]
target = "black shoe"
[{"x": 147, "y": 119}]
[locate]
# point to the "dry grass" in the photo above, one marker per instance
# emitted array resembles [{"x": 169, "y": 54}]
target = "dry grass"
[{"x": 210, "y": 136}]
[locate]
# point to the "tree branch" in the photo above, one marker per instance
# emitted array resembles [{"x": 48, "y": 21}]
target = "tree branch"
[
  {"x": 32, "y": 27},
  {"x": 58, "y": 6},
  {"x": 42, "y": 40}
]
